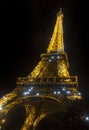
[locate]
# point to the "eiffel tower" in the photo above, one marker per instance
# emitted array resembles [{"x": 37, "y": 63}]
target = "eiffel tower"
[{"x": 48, "y": 89}]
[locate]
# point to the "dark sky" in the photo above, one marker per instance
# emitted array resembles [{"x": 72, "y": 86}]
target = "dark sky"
[{"x": 26, "y": 28}]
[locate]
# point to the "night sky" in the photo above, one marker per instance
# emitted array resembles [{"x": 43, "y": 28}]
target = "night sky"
[{"x": 26, "y": 28}]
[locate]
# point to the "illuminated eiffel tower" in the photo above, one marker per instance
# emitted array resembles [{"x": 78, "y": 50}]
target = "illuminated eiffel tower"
[{"x": 49, "y": 88}]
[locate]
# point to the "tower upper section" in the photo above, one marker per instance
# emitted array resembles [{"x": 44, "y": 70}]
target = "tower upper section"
[
  {"x": 56, "y": 43},
  {"x": 54, "y": 63},
  {"x": 53, "y": 66}
]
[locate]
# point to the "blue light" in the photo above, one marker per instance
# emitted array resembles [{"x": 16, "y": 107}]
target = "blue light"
[
  {"x": 52, "y": 57},
  {"x": 59, "y": 92},
  {"x": 26, "y": 93},
  {"x": 87, "y": 118},
  {"x": 29, "y": 90},
  {"x": 68, "y": 92},
  {"x": 55, "y": 92}
]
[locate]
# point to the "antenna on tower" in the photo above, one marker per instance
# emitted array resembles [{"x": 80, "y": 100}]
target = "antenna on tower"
[{"x": 60, "y": 12}]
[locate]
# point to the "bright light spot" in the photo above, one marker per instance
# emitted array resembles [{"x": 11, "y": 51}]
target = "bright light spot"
[
  {"x": 26, "y": 93},
  {"x": 79, "y": 93},
  {"x": 49, "y": 60},
  {"x": 59, "y": 92},
  {"x": 37, "y": 94},
  {"x": 31, "y": 88},
  {"x": 63, "y": 89},
  {"x": 55, "y": 92},
  {"x": 75, "y": 96},
  {"x": 52, "y": 57},
  {"x": 3, "y": 97},
  {"x": 58, "y": 57},
  {"x": 3, "y": 121},
  {"x": 1, "y": 108},
  {"x": 68, "y": 92},
  {"x": 87, "y": 118}
]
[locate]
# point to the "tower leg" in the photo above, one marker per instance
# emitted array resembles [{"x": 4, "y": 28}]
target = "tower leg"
[
  {"x": 30, "y": 117},
  {"x": 38, "y": 119}
]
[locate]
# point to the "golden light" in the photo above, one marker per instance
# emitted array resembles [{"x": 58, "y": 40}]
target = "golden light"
[{"x": 3, "y": 121}]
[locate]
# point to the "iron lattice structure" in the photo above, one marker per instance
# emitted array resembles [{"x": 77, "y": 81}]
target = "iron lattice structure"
[{"x": 49, "y": 88}]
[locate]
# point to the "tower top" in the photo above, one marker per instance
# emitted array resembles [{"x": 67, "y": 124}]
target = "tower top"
[
  {"x": 56, "y": 42},
  {"x": 60, "y": 12}
]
